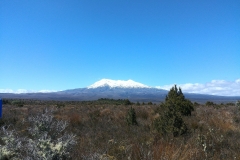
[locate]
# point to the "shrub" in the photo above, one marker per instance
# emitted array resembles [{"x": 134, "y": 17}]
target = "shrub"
[
  {"x": 142, "y": 113},
  {"x": 18, "y": 103},
  {"x": 196, "y": 104},
  {"x": 60, "y": 105},
  {"x": 238, "y": 104},
  {"x": 5, "y": 101},
  {"x": 93, "y": 115},
  {"x": 176, "y": 97},
  {"x": 230, "y": 104},
  {"x": 10, "y": 144},
  {"x": 131, "y": 117},
  {"x": 150, "y": 103},
  {"x": 47, "y": 139},
  {"x": 170, "y": 121},
  {"x": 209, "y": 103},
  {"x": 75, "y": 120},
  {"x": 127, "y": 102}
]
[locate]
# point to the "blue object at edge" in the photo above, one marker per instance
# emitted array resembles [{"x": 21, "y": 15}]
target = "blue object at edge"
[{"x": 0, "y": 108}]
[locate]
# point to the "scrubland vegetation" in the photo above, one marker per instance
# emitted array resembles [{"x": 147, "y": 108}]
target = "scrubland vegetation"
[{"x": 107, "y": 129}]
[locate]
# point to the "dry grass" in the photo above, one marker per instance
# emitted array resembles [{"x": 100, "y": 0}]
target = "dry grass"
[{"x": 102, "y": 131}]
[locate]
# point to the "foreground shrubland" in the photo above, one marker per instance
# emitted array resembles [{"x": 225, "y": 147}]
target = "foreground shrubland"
[{"x": 115, "y": 130}]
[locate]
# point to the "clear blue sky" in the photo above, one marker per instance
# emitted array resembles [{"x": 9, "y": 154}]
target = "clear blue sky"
[{"x": 57, "y": 45}]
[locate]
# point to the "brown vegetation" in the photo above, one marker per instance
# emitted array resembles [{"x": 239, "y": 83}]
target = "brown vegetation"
[{"x": 102, "y": 131}]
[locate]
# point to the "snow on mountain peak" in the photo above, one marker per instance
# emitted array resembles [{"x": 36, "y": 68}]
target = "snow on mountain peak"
[{"x": 117, "y": 83}]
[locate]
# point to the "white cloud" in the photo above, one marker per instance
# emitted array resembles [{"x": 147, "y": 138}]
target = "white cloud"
[
  {"x": 24, "y": 91},
  {"x": 215, "y": 87}
]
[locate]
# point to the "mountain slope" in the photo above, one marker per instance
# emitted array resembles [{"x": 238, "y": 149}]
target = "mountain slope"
[{"x": 106, "y": 88}]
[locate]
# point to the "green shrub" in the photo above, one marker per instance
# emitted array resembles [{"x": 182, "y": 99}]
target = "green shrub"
[
  {"x": 171, "y": 111},
  {"x": 209, "y": 103},
  {"x": 170, "y": 121},
  {"x": 5, "y": 101},
  {"x": 182, "y": 105},
  {"x": 131, "y": 117},
  {"x": 127, "y": 102},
  {"x": 196, "y": 104},
  {"x": 60, "y": 105},
  {"x": 18, "y": 103},
  {"x": 230, "y": 104},
  {"x": 150, "y": 103}
]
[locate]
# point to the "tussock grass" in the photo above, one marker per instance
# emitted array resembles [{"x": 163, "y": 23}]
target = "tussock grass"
[{"x": 102, "y": 132}]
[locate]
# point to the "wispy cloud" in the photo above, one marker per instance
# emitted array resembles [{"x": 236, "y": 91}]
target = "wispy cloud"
[
  {"x": 215, "y": 87},
  {"x": 24, "y": 91}
]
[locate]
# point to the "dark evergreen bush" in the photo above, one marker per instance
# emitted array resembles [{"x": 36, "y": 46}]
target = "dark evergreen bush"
[
  {"x": 170, "y": 121},
  {"x": 196, "y": 104},
  {"x": 127, "y": 102},
  {"x": 5, "y": 101},
  {"x": 18, "y": 103},
  {"x": 150, "y": 103},
  {"x": 209, "y": 103},
  {"x": 131, "y": 117},
  {"x": 176, "y": 97}
]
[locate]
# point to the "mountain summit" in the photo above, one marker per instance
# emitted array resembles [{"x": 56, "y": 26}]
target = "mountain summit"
[{"x": 117, "y": 84}]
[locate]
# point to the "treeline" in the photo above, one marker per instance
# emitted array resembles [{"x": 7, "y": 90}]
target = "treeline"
[{"x": 101, "y": 101}]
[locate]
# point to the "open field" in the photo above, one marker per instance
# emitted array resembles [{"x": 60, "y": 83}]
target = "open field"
[{"x": 102, "y": 132}]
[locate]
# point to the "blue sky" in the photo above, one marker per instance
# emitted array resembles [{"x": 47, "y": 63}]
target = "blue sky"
[{"x": 57, "y": 45}]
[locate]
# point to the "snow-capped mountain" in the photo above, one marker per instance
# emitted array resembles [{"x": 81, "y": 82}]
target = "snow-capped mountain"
[
  {"x": 117, "y": 84},
  {"x": 116, "y": 89}
]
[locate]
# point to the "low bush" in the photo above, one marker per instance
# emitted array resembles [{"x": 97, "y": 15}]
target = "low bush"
[
  {"x": 209, "y": 103},
  {"x": 18, "y": 103},
  {"x": 46, "y": 139},
  {"x": 131, "y": 117},
  {"x": 170, "y": 122}
]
